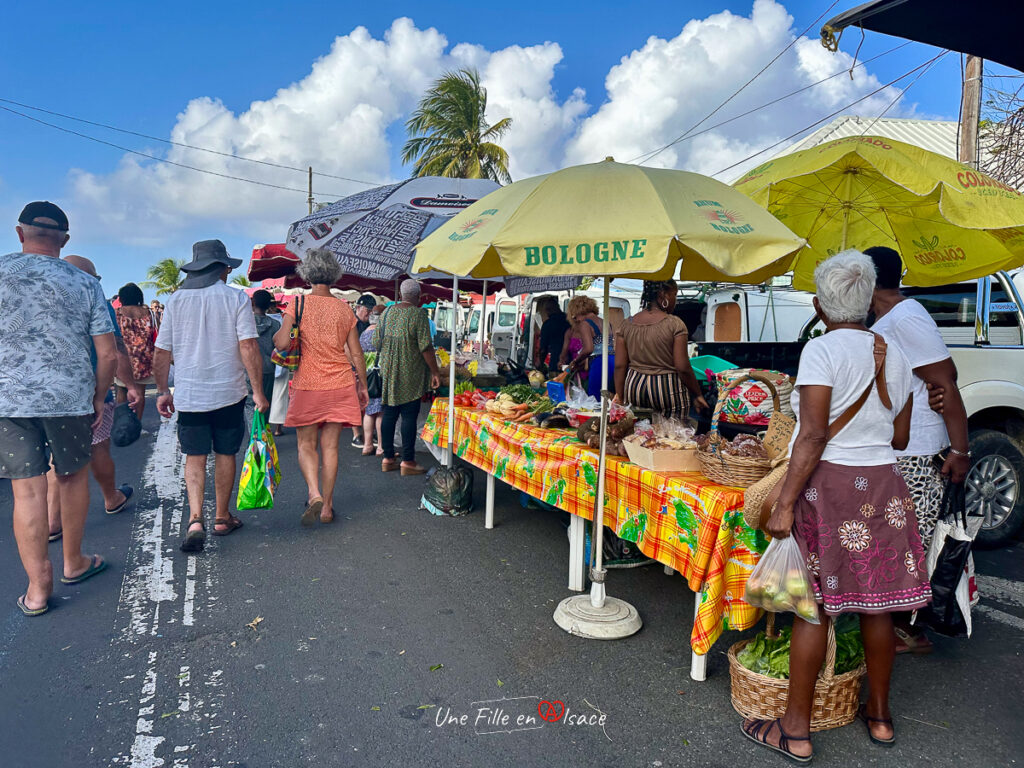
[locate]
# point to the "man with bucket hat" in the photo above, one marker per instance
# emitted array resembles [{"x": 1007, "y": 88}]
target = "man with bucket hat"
[
  {"x": 52, "y": 316},
  {"x": 209, "y": 331}
]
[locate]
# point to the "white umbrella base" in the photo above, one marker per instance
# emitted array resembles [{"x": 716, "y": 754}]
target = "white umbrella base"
[{"x": 613, "y": 621}]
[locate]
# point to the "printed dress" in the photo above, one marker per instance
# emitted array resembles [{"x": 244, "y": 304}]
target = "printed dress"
[{"x": 857, "y": 530}]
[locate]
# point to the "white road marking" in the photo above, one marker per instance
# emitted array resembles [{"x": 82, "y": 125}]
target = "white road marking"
[
  {"x": 1006, "y": 618},
  {"x": 1001, "y": 590},
  {"x": 188, "y": 612}
]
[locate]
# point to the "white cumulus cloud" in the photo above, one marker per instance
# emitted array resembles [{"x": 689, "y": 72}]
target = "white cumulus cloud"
[{"x": 337, "y": 119}]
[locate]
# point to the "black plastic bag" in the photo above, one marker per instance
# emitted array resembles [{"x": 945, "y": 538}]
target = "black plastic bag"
[
  {"x": 374, "y": 383},
  {"x": 449, "y": 491},
  {"x": 945, "y": 614},
  {"x": 127, "y": 428}
]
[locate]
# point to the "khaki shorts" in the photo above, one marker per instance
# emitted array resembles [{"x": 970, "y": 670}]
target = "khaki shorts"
[{"x": 28, "y": 445}]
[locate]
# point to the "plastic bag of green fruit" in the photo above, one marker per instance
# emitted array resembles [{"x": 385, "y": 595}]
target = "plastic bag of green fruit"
[{"x": 780, "y": 582}]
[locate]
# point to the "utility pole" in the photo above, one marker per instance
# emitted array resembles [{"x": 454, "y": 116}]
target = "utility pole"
[
  {"x": 310, "y": 198},
  {"x": 970, "y": 111}
]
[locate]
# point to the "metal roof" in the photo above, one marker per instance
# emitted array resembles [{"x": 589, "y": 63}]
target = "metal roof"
[{"x": 938, "y": 136}]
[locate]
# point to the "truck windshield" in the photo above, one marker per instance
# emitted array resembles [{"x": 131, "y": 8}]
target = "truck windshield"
[{"x": 953, "y": 306}]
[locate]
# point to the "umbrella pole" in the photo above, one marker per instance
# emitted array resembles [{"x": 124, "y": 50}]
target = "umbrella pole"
[
  {"x": 483, "y": 325},
  {"x": 450, "y": 458},
  {"x": 596, "y": 615}
]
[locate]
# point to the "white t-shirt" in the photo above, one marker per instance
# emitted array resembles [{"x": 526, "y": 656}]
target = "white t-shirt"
[
  {"x": 909, "y": 326},
  {"x": 844, "y": 360},
  {"x": 201, "y": 328}
]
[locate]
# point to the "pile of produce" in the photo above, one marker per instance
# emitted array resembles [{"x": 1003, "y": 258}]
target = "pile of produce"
[
  {"x": 770, "y": 655},
  {"x": 514, "y": 404},
  {"x": 748, "y": 446},
  {"x": 620, "y": 426},
  {"x": 472, "y": 398}
]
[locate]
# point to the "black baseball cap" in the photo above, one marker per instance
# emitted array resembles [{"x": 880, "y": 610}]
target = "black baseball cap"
[
  {"x": 44, "y": 209},
  {"x": 367, "y": 301}
]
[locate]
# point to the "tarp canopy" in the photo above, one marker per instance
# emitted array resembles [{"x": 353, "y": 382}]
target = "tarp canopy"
[
  {"x": 991, "y": 31},
  {"x": 274, "y": 261}
]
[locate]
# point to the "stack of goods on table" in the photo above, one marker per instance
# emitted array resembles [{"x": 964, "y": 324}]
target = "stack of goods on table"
[{"x": 663, "y": 445}]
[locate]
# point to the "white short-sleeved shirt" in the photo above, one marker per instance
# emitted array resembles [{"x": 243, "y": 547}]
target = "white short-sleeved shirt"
[
  {"x": 201, "y": 329},
  {"x": 844, "y": 360},
  {"x": 909, "y": 326}
]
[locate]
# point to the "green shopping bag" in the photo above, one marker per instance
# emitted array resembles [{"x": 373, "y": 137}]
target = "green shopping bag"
[{"x": 260, "y": 470}]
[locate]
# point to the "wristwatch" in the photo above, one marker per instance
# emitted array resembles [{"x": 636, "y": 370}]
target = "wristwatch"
[{"x": 163, "y": 393}]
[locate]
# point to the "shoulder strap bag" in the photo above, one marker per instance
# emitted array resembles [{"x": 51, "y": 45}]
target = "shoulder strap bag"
[
  {"x": 290, "y": 357},
  {"x": 759, "y": 499},
  {"x": 374, "y": 378}
]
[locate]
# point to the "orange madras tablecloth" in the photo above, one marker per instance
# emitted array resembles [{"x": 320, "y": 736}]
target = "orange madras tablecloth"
[{"x": 682, "y": 520}]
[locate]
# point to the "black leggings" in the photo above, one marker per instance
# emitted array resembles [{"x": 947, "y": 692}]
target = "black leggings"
[{"x": 410, "y": 413}]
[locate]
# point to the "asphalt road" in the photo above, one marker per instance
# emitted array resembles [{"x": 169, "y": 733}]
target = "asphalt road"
[{"x": 346, "y": 645}]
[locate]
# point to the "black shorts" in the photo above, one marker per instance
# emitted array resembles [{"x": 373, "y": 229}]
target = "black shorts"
[
  {"x": 28, "y": 445},
  {"x": 222, "y": 429}
]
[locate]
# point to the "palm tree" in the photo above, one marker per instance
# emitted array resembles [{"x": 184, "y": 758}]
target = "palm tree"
[
  {"x": 449, "y": 134},
  {"x": 165, "y": 276},
  {"x": 241, "y": 281}
]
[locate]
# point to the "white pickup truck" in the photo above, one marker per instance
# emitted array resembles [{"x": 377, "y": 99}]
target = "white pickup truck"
[{"x": 982, "y": 323}]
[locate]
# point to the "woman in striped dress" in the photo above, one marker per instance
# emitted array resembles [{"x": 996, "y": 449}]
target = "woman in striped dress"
[{"x": 652, "y": 368}]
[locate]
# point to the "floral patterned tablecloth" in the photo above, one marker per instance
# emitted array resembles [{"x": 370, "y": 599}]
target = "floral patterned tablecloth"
[{"x": 682, "y": 519}]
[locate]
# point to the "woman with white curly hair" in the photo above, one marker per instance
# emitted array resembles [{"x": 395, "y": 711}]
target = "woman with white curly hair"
[
  {"x": 845, "y": 502},
  {"x": 324, "y": 396}
]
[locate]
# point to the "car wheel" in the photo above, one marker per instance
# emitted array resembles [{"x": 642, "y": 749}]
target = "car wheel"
[{"x": 994, "y": 486}]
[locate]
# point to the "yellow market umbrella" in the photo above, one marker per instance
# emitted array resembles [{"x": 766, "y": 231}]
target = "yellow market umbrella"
[
  {"x": 611, "y": 219},
  {"x": 948, "y": 221}
]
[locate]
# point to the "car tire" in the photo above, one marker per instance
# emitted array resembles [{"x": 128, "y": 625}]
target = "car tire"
[{"x": 995, "y": 485}]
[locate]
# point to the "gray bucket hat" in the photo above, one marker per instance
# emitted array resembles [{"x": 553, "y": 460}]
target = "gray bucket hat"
[{"x": 209, "y": 258}]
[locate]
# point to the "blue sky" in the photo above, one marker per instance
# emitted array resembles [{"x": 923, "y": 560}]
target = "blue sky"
[{"x": 139, "y": 65}]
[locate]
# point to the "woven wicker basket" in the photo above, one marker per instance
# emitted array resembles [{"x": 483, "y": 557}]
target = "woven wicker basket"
[
  {"x": 720, "y": 467},
  {"x": 836, "y": 697}
]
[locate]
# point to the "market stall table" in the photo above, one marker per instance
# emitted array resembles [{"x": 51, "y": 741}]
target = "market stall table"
[{"x": 682, "y": 520}]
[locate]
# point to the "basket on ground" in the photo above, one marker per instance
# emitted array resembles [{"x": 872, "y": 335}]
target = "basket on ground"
[
  {"x": 722, "y": 467},
  {"x": 836, "y": 697}
]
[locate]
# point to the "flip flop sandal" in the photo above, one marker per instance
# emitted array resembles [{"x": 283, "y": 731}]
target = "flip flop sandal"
[
  {"x": 127, "y": 490},
  {"x": 759, "y": 730},
  {"x": 57, "y": 536},
  {"x": 862, "y": 713},
  {"x": 312, "y": 512},
  {"x": 230, "y": 525},
  {"x": 31, "y": 611},
  {"x": 96, "y": 565},
  {"x": 918, "y": 645},
  {"x": 194, "y": 541}
]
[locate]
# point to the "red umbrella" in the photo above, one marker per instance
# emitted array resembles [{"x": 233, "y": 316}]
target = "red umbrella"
[{"x": 276, "y": 261}]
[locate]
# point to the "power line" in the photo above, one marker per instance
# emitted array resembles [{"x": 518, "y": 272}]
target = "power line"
[
  {"x": 901, "y": 94},
  {"x": 806, "y": 128},
  {"x": 182, "y": 144},
  {"x": 779, "y": 55},
  {"x": 781, "y": 98},
  {"x": 164, "y": 159}
]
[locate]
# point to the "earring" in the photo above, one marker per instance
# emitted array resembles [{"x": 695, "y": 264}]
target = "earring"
[{"x": 663, "y": 305}]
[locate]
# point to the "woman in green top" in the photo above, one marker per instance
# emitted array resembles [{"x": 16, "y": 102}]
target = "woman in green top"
[{"x": 408, "y": 369}]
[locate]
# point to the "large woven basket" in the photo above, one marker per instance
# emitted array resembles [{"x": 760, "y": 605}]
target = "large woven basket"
[
  {"x": 836, "y": 697},
  {"x": 720, "y": 467}
]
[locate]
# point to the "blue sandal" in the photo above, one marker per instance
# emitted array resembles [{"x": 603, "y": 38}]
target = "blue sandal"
[{"x": 127, "y": 490}]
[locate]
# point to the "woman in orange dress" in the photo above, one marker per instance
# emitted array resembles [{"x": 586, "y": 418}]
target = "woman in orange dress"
[{"x": 324, "y": 396}]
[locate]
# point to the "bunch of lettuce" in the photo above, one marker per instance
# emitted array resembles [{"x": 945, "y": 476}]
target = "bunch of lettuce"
[{"x": 770, "y": 655}]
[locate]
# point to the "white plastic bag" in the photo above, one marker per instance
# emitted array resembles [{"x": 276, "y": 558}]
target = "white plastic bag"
[{"x": 780, "y": 582}]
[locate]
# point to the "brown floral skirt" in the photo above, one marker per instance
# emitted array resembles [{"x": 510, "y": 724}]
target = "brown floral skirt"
[{"x": 857, "y": 530}]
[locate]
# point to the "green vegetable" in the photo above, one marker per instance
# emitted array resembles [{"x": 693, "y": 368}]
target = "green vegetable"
[
  {"x": 521, "y": 393},
  {"x": 770, "y": 655}
]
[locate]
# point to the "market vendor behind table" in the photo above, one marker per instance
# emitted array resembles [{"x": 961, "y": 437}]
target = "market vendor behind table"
[{"x": 652, "y": 369}]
